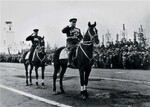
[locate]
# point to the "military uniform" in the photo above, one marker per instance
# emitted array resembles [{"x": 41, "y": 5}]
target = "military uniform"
[
  {"x": 74, "y": 36},
  {"x": 34, "y": 39}
]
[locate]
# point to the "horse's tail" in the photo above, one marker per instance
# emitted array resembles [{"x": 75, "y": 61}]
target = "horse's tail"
[{"x": 57, "y": 53}]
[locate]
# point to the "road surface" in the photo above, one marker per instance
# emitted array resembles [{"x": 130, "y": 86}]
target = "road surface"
[{"x": 107, "y": 88}]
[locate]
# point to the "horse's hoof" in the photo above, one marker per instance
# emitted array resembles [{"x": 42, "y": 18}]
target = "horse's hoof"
[
  {"x": 30, "y": 84},
  {"x": 86, "y": 93},
  {"x": 81, "y": 93},
  {"x": 62, "y": 92},
  {"x": 37, "y": 86},
  {"x": 37, "y": 83},
  {"x": 55, "y": 93},
  {"x": 27, "y": 83},
  {"x": 43, "y": 84},
  {"x": 83, "y": 97},
  {"x": 43, "y": 87}
]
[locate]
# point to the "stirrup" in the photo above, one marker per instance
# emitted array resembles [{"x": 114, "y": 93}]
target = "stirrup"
[
  {"x": 71, "y": 65},
  {"x": 27, "y": 62}
]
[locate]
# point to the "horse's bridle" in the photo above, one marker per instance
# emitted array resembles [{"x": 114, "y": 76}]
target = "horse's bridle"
[
  {"x": 88, "y": 43},
  {"x": 39, "y": 47},
  {"x": 92, "y": 36}
]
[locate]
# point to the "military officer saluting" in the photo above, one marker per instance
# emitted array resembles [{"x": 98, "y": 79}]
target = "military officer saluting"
[
  {"x": 74, "y": 36},
  {"x": 34, "y": 38}
]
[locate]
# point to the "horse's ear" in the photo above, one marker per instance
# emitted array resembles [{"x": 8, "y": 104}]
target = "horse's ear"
[
  {"x": 94, "y": 24},
  {"x": 89, "y": 24},
  {"x": 43, "y": 37}
]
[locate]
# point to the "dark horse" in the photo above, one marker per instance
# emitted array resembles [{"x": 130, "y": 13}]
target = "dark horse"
[
  {"x": 38, "y": 60},
  {"x": 84, "y": 60}
]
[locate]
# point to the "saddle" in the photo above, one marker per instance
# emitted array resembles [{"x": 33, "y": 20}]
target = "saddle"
[
  {"x": 64, "y": 54},
  {"x": 30, "y": 56},
  {"x": 70, "y": 54},
  {"x": 27, "y": 55}
]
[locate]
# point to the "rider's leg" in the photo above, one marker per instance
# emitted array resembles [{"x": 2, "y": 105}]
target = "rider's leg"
[
  {"x": 69, "y": 47},
  {"x": 70, "y": 57},
  {"x": 31, "y": 53},
  {"x": 71, "y": 44}
]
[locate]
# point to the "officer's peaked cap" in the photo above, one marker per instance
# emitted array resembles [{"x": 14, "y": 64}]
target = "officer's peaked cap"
[
  {"x": 36, "y": 30},
  {"x": 73, "y": 20}
]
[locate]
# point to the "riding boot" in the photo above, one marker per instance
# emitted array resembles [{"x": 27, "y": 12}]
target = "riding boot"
[
  {"x": 31, "y": 53},
  {"x": 70, "y": 59}
]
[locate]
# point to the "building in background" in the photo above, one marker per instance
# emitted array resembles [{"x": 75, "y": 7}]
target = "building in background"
[
  {"x": 8, "y": 37},
  {"x": 123, "y": 34},
  {"x": 9, "y": 44}
]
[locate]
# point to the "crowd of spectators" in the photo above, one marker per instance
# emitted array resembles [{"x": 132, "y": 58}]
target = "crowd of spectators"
[
  {"x": 17, "y": 58},
  {"x": 123, "y": 55},
  {"x": 12, "y": 58},
  {"x": 120, "y": 55}
]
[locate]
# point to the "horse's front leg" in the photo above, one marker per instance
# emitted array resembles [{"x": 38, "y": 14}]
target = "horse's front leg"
[
  {"x": 37, "y": 76},
  {"x": 26, "y": 68},
  {"x": 56, "y": 70},
  {"x": 43, "y": 69},
  {"x": 81, "y": 72},
  {"x": 31, "y": 68},
  {"x": 64, "y": 67},
  {"x": 87, "y": 73}
]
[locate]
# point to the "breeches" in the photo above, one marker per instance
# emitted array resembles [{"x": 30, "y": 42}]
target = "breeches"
[
  {"x": 71, "y": 42},
  {"x": 31, "y": 52}
]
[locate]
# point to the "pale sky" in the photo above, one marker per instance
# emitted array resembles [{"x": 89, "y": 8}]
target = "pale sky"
[{"x": 50, "y": 17}]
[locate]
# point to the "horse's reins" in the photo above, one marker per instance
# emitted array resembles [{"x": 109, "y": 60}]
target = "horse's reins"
[
  {"x": 40, "y": 50},
  {"x": 92, "y": 36},
  {"x": 39, "y": 57},
  {"x": 88, "y": 43},
  {"x": 85, "y": 53},
  {"x": 36, "y": 52}
]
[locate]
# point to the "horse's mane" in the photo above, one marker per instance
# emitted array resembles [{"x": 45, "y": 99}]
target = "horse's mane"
[{"x": 86, "y": 37}]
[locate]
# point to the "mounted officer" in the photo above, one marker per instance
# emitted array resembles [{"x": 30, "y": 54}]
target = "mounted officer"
[
  {"x": 74, "y": 36},
  {"x": 34, "y": 38}
]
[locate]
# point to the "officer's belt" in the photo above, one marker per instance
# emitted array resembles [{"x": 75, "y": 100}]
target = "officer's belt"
[{"x": 72, "y": 38}]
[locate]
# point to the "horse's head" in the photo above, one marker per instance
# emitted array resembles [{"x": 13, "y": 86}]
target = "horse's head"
[
  {"x": 91, "y": 34},
  {"x": 41, "y": 45}
]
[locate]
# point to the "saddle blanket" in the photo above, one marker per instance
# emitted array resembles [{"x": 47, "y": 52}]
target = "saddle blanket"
[
  {"x": 27, "y": 56},
  {"x": 64, "y": 54}
]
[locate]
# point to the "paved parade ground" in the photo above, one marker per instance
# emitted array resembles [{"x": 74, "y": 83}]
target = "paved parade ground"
[{"x": 107, "y": 88}]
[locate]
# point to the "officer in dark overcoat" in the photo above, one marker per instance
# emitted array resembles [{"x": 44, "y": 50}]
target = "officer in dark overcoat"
[
  {"x": 34, "y": 38},
  {"x": 74, "y": 36}
]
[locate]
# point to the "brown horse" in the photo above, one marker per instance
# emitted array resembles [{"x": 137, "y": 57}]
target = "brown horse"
[
  {"x": 84, "y": 60},
  {"x": 38, "y": 60}
]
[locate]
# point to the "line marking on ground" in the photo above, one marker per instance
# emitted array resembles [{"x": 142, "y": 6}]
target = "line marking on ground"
[
  {"x": 115, "y": 79},
  {"x": 122, "y": 80},
  {"x": 34, "y": 96},
  {"x": 119, "y": 72}
]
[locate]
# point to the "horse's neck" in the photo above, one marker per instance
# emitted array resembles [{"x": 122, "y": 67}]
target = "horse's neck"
[
  {"x": 87, "y": 48},
  {"x": 40, "y": 54},
  {"x": 86, "y": 37},
  {"x": 87, "y": 43}
]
